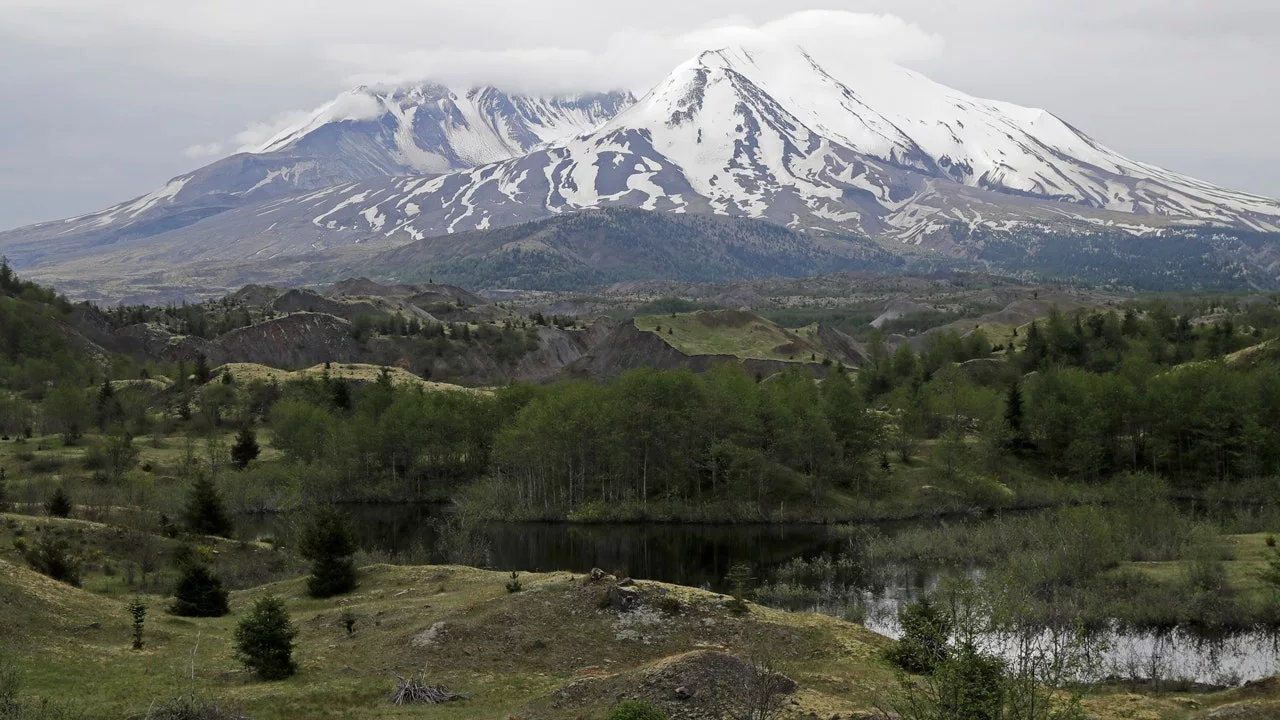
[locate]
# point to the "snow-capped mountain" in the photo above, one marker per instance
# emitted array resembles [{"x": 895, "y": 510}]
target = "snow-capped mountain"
[
  {"x": 427, "y": 129},
  {"x": 772, "y": 135},
  {"x": 757, "y": 133},
  {"x": 363, "y": 135}
]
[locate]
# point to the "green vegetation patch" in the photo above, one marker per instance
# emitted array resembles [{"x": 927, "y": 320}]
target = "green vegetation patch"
[{"x": 734, "y": 333}]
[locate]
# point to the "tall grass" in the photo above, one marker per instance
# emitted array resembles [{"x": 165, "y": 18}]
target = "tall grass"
[{"x": 1053, "y": 568}]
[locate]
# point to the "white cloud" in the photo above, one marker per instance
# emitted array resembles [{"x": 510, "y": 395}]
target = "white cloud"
[
  {"x": 832, "y": 34},
  {"x": 260, "y": 133},
  {"x": 628, "y": 59},
  {"x": 347, "y": 106},
  {"x": 201, "y": 151},
  {"x": 634, "y": 59}
]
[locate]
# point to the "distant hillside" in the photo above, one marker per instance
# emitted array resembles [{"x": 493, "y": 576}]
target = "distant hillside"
[
  {"x": 598, "y": 247},
  {"x": 39, "y": 344},
  {"x": 702, "y": 340}
]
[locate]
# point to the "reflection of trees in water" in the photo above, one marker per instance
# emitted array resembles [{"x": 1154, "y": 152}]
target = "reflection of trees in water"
[
  {"x": 838, "y": 579},
  {"x": 697, "y": 555},
  {"x": 1174, "y": 659},
  {"x": 687, "y": 555}
]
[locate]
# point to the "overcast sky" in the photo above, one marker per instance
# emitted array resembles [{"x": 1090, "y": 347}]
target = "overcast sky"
[{"x": 107, "y": 100}]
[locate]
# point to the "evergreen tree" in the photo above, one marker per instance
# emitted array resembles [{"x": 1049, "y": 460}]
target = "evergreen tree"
[
  {"x": 59, "y": 505},
  {"x": 926, "y": 632},
  {"x": 1035, "y": 350},
  {"x": 246, "y": 449},
  {"x": 205, "y": 514},
  {"x": 327, "y": 542},
  {"x": 138, "y": 612},
  {"x": 4, "y": 492},
  {"x": 199, "y": 592},
  {"x": 340, "y": 394},
  {"x": 202, "y": 372},
  {"x": 107, "y": 408},
  {"x": 264, "y": 640},
  {"x": 1013, "y": 411}
]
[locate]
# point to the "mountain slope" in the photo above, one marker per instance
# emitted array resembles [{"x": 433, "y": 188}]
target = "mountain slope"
[
  {"x": 774, "y": 136},
  {"x": 364, "y": 135},
  {"x": 596, "y": 247}
]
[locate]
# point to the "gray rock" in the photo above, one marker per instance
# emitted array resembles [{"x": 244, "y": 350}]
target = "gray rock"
[{"x": 623, "y": 598}]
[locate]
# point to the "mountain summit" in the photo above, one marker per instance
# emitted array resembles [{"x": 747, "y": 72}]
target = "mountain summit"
[
  {"x": 431, "y": 128},
  {"x": 763, "y": 133}
]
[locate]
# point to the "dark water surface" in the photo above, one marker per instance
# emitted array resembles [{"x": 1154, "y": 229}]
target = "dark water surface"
[
  {"x": 701, "y": 555},
  {"x": 695, "y": 555}
]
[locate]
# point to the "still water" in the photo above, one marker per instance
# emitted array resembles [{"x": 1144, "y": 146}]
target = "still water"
[{"x": 701, "y": 555}]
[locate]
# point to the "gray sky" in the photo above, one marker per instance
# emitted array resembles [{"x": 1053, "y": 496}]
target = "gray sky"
[{"x": 107, "y": 100}]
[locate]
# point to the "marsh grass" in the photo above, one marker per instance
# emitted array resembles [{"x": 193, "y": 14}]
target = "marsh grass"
[{"x": 1139, "y": 564}]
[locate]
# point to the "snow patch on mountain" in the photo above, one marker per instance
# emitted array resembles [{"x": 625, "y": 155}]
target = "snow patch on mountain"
[
  {"x": 768, "y": 133},
  {"x": 430, "y": 128}
]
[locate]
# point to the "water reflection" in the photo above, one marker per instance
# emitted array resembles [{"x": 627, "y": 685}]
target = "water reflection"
[
  {"x": 701, "y": 555},
  {"x": 696, "y": 555}
]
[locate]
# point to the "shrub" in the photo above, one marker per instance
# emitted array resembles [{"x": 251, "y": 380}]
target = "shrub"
[
  {"x": 327, "y": 543},
  {"x": 264, "y": 640},
  {"x": 43, "y": 464},
  {"x": 112, "y": 456},
  {"x": 513, "y": 585},
  {"x": 740, "y": 581},
  {"x": 636, "y": 710},
  {"x": 199, "y": 592},
  {"x": 58, "y": 505},
  {"x": 669, "y": 604},
  {"x": 926, "y": 632},
  {"x": 191, "y": 707},
  {"x": 52, "y": 556},
  {"x": 974, "y": 684}
]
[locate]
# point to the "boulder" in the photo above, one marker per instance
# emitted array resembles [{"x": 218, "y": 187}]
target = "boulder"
[{"x": 623, "y": 598}]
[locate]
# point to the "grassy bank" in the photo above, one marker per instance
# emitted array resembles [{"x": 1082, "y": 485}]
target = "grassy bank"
[{"x": 553, "y": 650}]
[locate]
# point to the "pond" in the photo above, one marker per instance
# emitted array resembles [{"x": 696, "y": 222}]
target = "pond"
[{"x": 701, "y": 555}]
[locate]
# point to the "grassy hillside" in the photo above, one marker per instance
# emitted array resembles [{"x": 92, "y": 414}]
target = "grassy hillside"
[
  {"x": 734, "y": 333},
  {"x": 351, "y": 372},
  {"x": 511, "y": 654}
]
